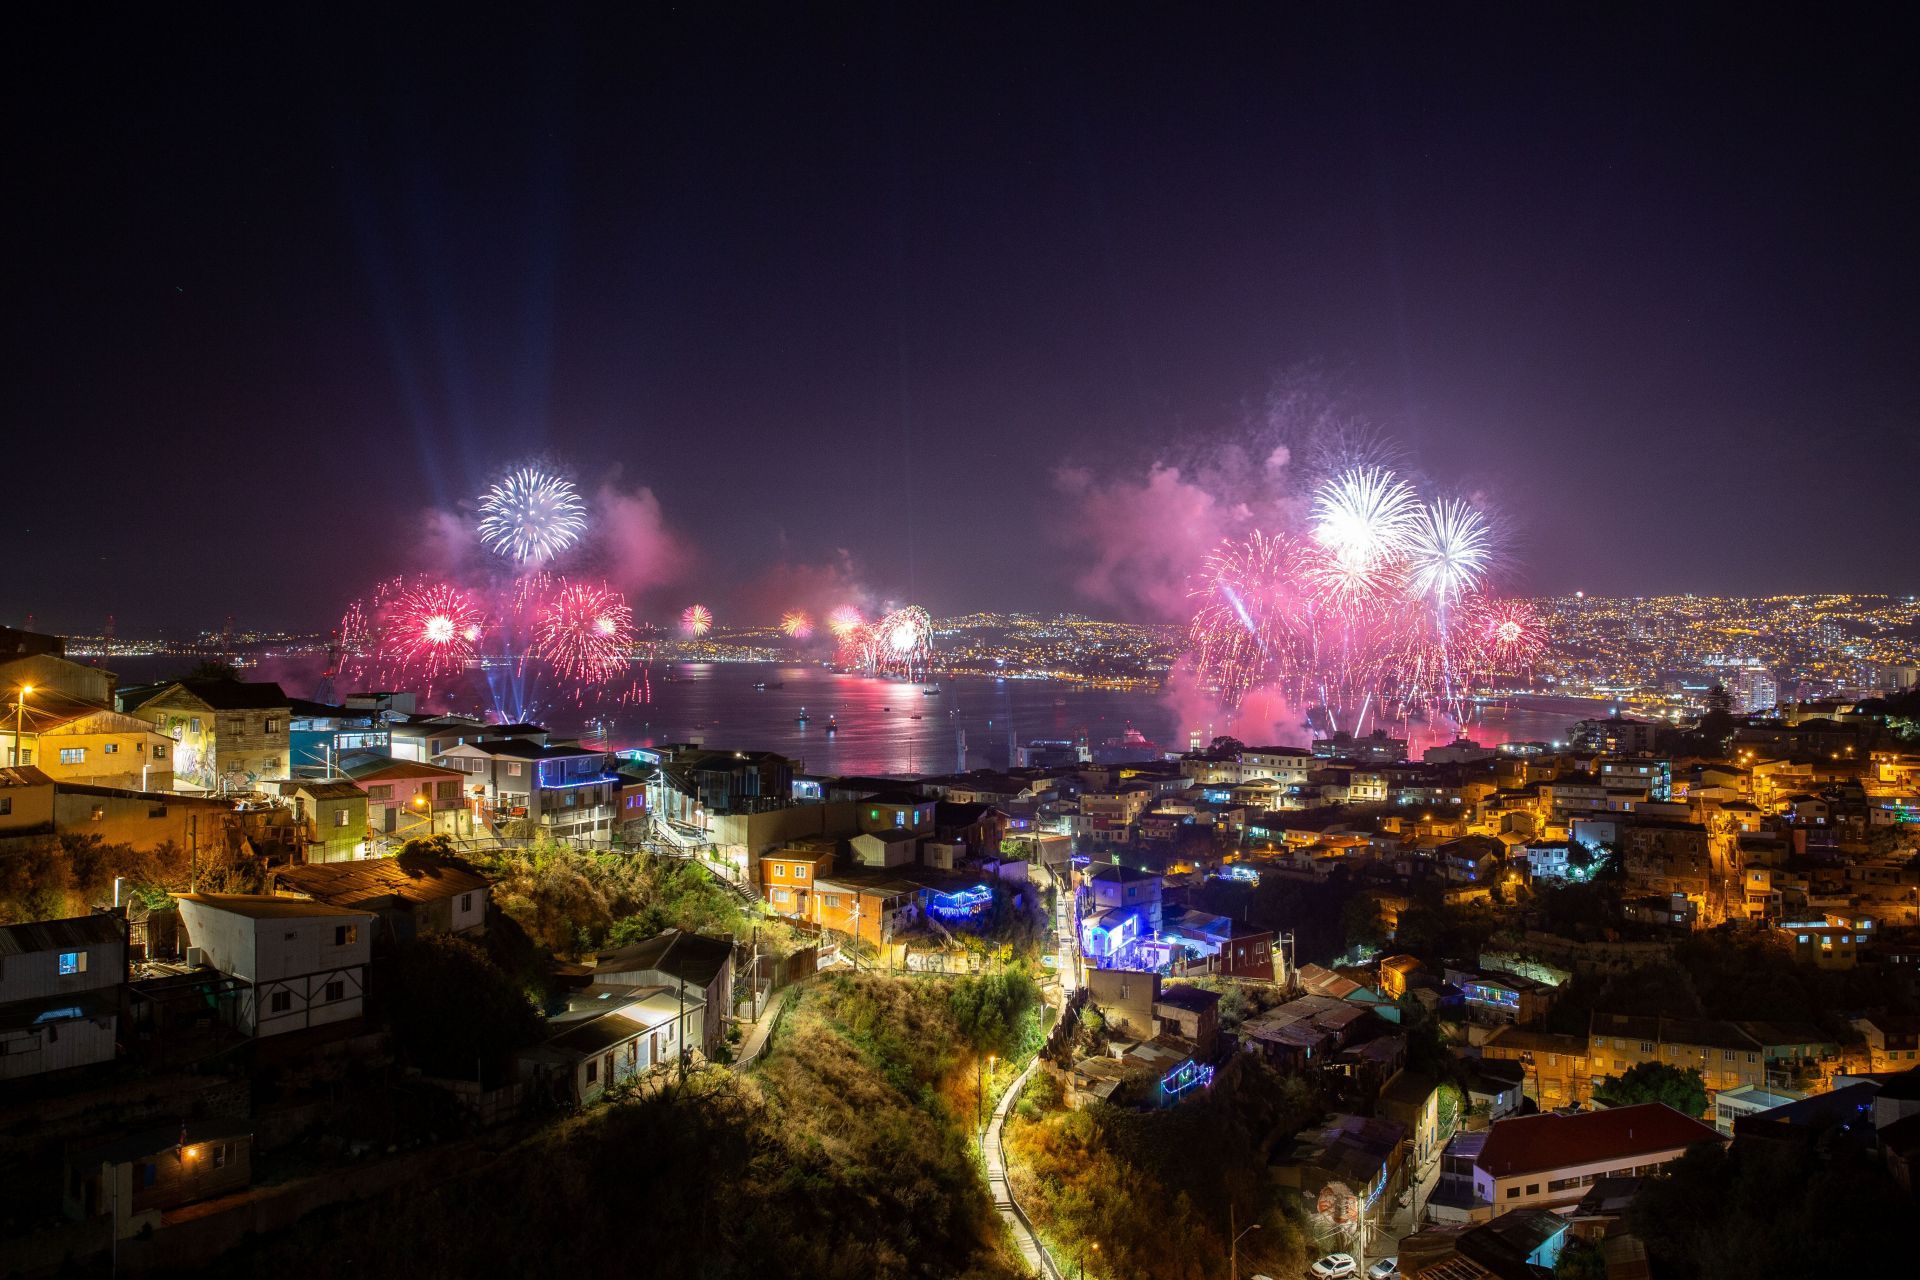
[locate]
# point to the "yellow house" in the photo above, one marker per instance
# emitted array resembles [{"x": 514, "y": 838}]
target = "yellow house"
[{"x": 71, "y": 741}]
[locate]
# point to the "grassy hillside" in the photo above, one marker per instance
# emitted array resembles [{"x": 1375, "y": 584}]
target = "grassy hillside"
[{"x": 842, "y": 1155}]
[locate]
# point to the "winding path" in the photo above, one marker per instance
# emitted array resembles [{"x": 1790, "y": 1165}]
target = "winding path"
[{"x": 1038, "y": 1261}]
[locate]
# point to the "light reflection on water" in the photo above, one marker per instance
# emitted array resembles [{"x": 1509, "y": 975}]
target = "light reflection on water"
[{"x": 877, "y": 731}]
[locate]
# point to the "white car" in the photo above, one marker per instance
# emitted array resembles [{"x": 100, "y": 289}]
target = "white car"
[
  {"x": 1335, "y": 1266},
  {"x": 1385, "y": 1269}
]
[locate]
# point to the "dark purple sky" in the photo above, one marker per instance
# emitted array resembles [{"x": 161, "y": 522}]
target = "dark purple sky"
[{"x": 281, "y": 284}]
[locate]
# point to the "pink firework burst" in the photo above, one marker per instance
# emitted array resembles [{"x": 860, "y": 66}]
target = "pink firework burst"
[
  {"x": 844, "y": 621},
  {"x": 431, "y": 628},
  {"x": 797, "y": 624},
  {"x": 696, "y": 620},
  {"x": 1249, "y": 614},
  {"x": 585, "y": 630},
  {"x": 1509, "y": 634}
]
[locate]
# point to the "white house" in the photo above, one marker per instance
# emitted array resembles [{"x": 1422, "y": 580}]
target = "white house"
[
  {"x": 1548, "y": 1161},
  {"x": 60, "y": 993},
  {"x": 643, "y": 1027},
  {"x": 305, "y": 963}
]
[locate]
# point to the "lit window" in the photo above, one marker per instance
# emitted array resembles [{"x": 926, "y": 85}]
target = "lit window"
[
  {"x": 340, "y": 817},
  {"x": 73, "y": 755},
  {"x": 111, "y": 748},
  {"x": 345, "y": 934},
  {"x": 72, "y": 962}
]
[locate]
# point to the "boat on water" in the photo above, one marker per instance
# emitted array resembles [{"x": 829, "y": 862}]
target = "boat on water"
[
  {"x": 932, "y": 691},
  {"x": 832, "y": 727},
  {"x": 914, "y": 716},
  {"x": 802, "y": 717},
  {"x": 763, "y": 686}
]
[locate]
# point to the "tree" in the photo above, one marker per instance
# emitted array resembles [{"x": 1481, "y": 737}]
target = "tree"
[
  {"x": 1683, "y": 1090},
  {"x": 1774, "y": 1210},
  {"x": 1716, "y": 722},
  {"x": 1581, "y": 1260},
  {"x": 453, "y": 1010},
  {"x": 213, "y": 669},
  {"x": 1362, "y": 922}
]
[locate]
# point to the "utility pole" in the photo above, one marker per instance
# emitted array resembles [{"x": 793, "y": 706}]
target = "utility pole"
[
  {"x": 1233, "y": 1250},
  {"x": 19, "y": 721}
]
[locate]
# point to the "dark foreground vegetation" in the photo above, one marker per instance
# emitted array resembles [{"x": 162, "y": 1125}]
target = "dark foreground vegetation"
[{"x": 844, "y": 1154}]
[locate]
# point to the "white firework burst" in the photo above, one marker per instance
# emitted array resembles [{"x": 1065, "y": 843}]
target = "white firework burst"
[
  {"x": 1449, "y": 551},
  {"x": 531, "y": 516}
]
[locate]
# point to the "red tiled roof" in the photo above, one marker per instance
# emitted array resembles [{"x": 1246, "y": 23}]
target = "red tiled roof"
[{"x": 1529, "y": 1144}]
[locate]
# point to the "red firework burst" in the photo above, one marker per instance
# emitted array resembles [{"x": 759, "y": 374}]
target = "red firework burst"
[
  {"x": 432, "y": 628},
  {"x": 1509, "y": 633},
  {"x": 585, "y": 630}
]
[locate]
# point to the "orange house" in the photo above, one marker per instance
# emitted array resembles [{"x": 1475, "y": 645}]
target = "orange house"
[
  {"x": 877, "y": 908},
  {"x": 788, "y": 877}
]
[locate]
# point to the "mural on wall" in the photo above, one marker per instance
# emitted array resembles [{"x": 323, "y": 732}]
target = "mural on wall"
[
  {"x": 1333, "y": 1215},
  {"x": 192, "y": 751}
]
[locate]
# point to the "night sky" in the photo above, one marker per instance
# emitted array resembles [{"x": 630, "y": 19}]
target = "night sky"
[{"x": 856, "y": 284}]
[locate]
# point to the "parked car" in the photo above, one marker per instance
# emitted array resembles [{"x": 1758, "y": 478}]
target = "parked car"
[
  {"x": 1385, "y": 1269},
  {"x": 1335, "y": 1266}
]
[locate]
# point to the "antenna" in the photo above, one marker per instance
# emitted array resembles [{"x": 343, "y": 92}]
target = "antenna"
[{"x": 106, "y": 641}]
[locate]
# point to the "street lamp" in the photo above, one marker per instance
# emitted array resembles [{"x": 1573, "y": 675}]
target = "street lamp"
[
  {"x": 1233, "y": 1249},
  {"x": 19, "y": 720},
  {"x": 1083, "y": 1260}
]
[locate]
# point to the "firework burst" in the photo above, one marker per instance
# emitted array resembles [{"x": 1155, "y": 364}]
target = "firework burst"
[
  {"x": 1449, "y": 551},
  {"x": 1508, "y": 634},
  {"x": 696, "y": 620},
  {"x": 585, "y": 630},
  {"x": 432, "y": 628},
  {"x": 844, "y": 621},
  {"x": 901, "y": 643},
  {"x": 1379, "y": 608},
  {"x": 1363, "y": 519},
  {"x": 531, "y": 516},
  {"x": 1248, "y": 614},
  {"x": 797, "y": 623}
]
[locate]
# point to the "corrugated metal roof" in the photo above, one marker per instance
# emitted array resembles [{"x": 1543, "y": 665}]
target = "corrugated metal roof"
[
  {"x": 53, "y": 935},
  {"x": 348, "y": 883}
]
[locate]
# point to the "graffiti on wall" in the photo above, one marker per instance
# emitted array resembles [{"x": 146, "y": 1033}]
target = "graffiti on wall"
[{"x": 192, "y": 751}]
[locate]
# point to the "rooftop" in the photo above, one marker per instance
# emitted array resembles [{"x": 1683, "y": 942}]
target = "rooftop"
[
  {"x": 226, "y": 695},
  {"x": 266, "y": 906},
  {"x": 364, "y": 882},
  {"x": 690, "y": 957},
  {"x": 1531, "y": 1144},
  {"x": 53, "y": 935}
]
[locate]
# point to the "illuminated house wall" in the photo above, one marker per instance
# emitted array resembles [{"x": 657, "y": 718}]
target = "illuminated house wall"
[{"x": 1104, "y": 936}]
